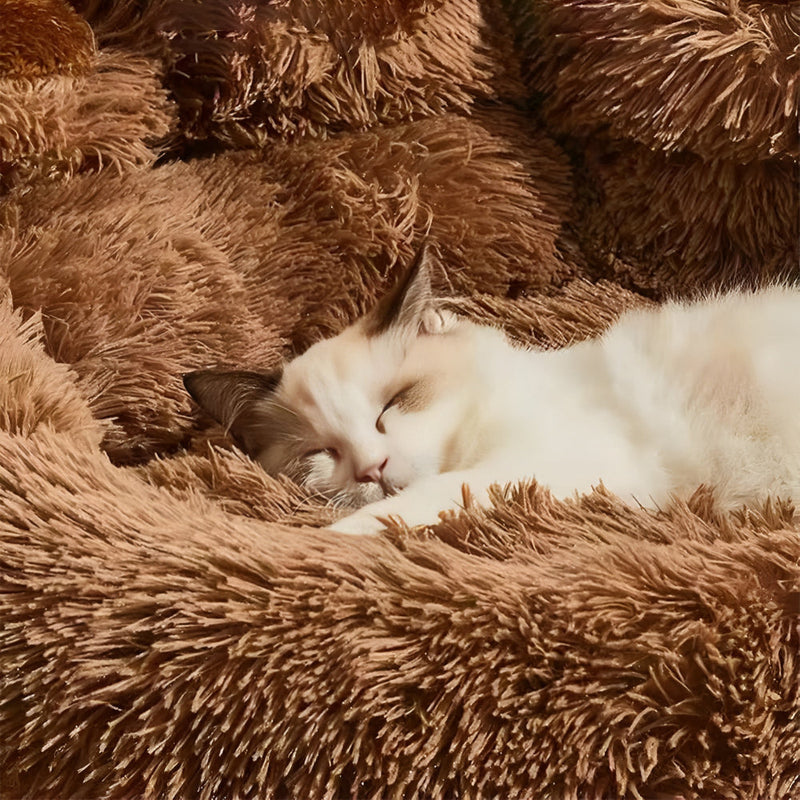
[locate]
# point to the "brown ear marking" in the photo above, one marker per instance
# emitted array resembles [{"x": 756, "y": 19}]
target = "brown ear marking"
[
  {"x": 231, "y": 397},
  {"x": 405, "y": 303}
]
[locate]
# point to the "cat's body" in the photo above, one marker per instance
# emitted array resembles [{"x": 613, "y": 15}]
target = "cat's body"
[{"x": 408, "y": 405}]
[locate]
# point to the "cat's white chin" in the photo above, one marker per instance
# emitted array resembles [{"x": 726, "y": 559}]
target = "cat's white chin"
[{"x": 372, "y": 493}]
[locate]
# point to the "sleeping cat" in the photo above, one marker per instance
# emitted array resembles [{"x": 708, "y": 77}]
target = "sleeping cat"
[{"x": 406, "y": 406}]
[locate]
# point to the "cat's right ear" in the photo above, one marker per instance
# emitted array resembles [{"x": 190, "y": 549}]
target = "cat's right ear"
[
  {"x": 406, "y": 307},
  {"x": 238, "y": 401}
]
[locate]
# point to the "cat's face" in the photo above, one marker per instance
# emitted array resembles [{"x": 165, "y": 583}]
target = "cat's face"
[{"x": 359, "y": 416}]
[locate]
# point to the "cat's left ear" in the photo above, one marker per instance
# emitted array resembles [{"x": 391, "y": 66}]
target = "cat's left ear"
[
  {"x": 409, "y": 309},
  {"x": 239, "y": 401}
]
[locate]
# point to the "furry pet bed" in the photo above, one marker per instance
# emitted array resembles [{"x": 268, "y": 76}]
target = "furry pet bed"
[{"x": 184, "y": 185}]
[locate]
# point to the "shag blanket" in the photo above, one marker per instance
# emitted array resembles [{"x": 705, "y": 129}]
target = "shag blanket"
[{"x": 187, "y": 184}]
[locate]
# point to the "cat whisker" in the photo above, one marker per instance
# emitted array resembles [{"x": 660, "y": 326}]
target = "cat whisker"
[
  {"x": 337, "y": 501},
  {"x": 283, "y": 408}
]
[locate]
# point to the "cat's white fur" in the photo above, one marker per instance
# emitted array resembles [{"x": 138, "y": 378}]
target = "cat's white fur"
[{"x": 666, "y": 400}]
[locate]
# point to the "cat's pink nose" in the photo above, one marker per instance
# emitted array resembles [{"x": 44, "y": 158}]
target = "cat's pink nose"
[{"x": 373, "y": 474}]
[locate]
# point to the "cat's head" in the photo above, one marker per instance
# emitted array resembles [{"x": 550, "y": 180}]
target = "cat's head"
[{"x": 358, "y": 416}]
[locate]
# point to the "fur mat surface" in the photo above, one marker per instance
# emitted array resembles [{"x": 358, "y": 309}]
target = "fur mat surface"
[{"x": 186, "y": 185}]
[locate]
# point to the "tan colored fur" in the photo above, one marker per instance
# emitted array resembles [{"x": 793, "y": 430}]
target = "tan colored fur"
[{"x": 173, "y": 622}]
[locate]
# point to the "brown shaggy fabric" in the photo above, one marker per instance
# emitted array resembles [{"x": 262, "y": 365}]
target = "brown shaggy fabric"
[
  {"x": 305, "y": 67},
  {"x": 682, "y": 224},
  {"x": 36, "y": 391},
  {"x": 718, "y": 77},
  {"x": 244, "y": 71},
  {"x": 574, "y": 312},
  {"x": 575, "y": 649},
  {"x": 115, "y": 115},
  {"x": 684, "y": 121},
  {"x": 174, "y": 623},
  {"x": 43, "y": 37}
]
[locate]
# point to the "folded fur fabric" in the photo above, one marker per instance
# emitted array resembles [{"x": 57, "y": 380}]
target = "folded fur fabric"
[
  {"x": 186, "y": 185},
  {"x": 67, "y": 107},
  {"x": 685, "y": 117}
]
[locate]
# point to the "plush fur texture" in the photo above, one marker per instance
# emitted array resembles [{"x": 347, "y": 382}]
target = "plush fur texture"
[
  {"x": 313, "y": 67},
  {"x": 684, "y": 116},
  {"x": 173, "y": 622},
  {"x": 43, "y": 37},
  {"x": 113, "y": 116},
  {"x": 627, "y": 66},
  {"x": 684, "y": 223}
]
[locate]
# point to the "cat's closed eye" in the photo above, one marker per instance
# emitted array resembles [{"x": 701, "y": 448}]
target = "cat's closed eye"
[
  {"x": 414, "y": 396},
  {"x": 332, "y": 452},
  {"x": 393, "y": 401}
]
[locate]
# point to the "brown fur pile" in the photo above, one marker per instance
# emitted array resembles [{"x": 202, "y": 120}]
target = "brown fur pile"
[
  {"x": 66, "y": 107},
  {"x": 187, "y": 185},
  {"x": 685, "y": 117},
  {"x": 242, "y": 72}
]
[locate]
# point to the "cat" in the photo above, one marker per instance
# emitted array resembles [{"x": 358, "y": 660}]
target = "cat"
[{"x": 408, "y": 405}]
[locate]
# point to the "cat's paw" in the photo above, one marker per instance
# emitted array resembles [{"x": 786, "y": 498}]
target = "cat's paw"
[{"x": 358, "y": 524}]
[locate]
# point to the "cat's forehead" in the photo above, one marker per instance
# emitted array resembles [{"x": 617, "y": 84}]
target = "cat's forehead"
[{"x": 336, "y": 370}]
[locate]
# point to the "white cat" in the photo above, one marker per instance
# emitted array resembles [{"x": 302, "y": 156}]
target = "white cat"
[{"x": 409, "y": 404}]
